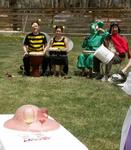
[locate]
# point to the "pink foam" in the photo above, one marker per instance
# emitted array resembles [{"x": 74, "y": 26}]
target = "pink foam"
[{"x": 31, "y": 118}]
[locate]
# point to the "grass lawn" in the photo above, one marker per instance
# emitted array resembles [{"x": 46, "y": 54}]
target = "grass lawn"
[{"x": 91, "y": 110}]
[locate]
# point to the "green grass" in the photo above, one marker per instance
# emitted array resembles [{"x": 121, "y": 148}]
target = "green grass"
[{"x": 91, "y": 110}]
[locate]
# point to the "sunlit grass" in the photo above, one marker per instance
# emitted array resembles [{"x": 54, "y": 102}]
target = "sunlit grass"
[{"x": 92, "y": 110}]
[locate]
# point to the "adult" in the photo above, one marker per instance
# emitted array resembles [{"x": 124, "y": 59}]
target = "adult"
[
  {"x": 119, "y": 45},
  {"x": 58, "y": 49},
  {"x": 91, "y": 44},
  {"x": 35, "y": 41}
]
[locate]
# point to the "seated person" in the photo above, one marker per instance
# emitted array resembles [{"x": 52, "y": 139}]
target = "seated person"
[
  {"x": 58, "y": 48},
  {"x": 118, "y": 44},
  {"x": 91, "y": 43},
  {"x": 33, "y": 42}
]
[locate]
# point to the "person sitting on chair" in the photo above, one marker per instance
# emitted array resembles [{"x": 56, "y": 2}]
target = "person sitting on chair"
[
  {"x": 119, "y": 45},
  {"x": 90, "y": 44},
  {"x": 33, "y": 42},
  {"x": 58, "y": 49}
]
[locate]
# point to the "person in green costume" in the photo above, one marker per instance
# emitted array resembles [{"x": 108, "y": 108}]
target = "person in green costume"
[{"x": 90, "y": 45}]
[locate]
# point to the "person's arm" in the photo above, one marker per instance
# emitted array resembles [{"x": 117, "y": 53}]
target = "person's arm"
[
  {"x": 129, "y": 54},
  {"x": 44, "y": 48},
  {"x": 25, "y": 45},
  {"x": 25, "y": 49},
  {"x": 85, "y": 42},
  {"x": 67, "y": 45},
  {"x": 125, "y": 69},
  {"x": 48, "y": 46},
  {"x": 104, "y": 33},
  {"x": 45, "y": 44}
]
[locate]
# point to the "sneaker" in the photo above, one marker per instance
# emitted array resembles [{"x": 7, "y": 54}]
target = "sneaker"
[
  {"x": 105, "y": 78},
  {"x": 110, "y": 80},
  {"x": 91, "y": 75}
]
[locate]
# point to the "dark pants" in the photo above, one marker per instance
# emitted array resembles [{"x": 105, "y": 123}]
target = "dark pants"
[
  {"x": 46, "y": 65},
  {"x": 26, "y": 62},
  {"x": 96, "y": 65},
  {"x": 57, "y": 60},
  {"x": 116, "y": 60},
  {"x": 66, "y": 67}
]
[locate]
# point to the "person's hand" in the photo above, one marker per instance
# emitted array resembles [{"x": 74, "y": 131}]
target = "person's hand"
[
  {"x": 100, "y": 29},
  {"x": 44, "y": 52},
  {"x": 117, "y": 53},
  {"x": 26, "y": 54},
  {"x": 87, "y": 52}
]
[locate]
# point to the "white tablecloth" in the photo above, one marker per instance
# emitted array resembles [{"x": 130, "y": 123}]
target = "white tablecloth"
[{"x": 59, "y": 139}]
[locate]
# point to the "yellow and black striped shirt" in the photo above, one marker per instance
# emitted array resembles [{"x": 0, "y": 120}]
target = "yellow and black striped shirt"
[
  {"x": 35, "y": 42},
  {"x": 59, "y": 44}
]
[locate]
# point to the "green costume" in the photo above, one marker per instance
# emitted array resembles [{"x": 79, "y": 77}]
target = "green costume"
[{"x": 91, "y": 43}]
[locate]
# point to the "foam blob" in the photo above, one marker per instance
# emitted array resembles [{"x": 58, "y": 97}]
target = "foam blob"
[{"x": 31, "y": 118}]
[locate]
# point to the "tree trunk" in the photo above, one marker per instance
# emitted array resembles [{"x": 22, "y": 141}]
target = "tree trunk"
[{"x": 65, "y": 3}]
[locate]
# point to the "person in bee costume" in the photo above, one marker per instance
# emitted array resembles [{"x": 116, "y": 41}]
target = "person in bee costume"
[
  {"x": 58, "y": 49},
  {"x": 35, "y": 41}
]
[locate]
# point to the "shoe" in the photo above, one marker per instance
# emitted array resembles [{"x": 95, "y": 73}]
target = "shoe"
[
  {"x": 110, "y": 80},
  {"x": 105, "y": 78},
  {"x": 83, "y": 73},
  {"x": 62, "y": 74},
  {"x": 47, "y": 73},
  {"x": 98, "y": 76},
  {"x": 91, "y": 75},
  {"x": 26, "y": 73}
]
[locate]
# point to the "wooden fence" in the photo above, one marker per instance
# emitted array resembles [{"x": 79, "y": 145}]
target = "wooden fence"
[{"x": 76, "y": 21}]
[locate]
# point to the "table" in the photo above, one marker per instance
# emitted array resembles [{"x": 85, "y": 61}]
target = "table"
[{"x": 59, "y": 139}]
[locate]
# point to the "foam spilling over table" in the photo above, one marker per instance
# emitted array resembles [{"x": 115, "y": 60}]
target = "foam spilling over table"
[
  {"x": 31, "y": 118},
  {"x": 31, "y": 128}
]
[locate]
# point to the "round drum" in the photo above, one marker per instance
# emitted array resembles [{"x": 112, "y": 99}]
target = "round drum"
[
  {"x": 104, "y": 54},
  {"x": 58, "y": 56},
  {"x": 57, "y": 52},
  {"x": 36, "y": 59}
]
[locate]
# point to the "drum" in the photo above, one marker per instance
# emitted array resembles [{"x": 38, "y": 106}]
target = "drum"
[
  {"x": 57, "y": 52},
  {"x": 104, "y": 54},
  {"x": 57, "y": 56},
  {"x": 36, "y": 59}
]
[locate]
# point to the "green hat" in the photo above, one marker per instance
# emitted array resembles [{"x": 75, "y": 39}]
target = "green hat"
[
  {"x": 94, "y": 25},
  {"x": 100, "y": 24}
]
